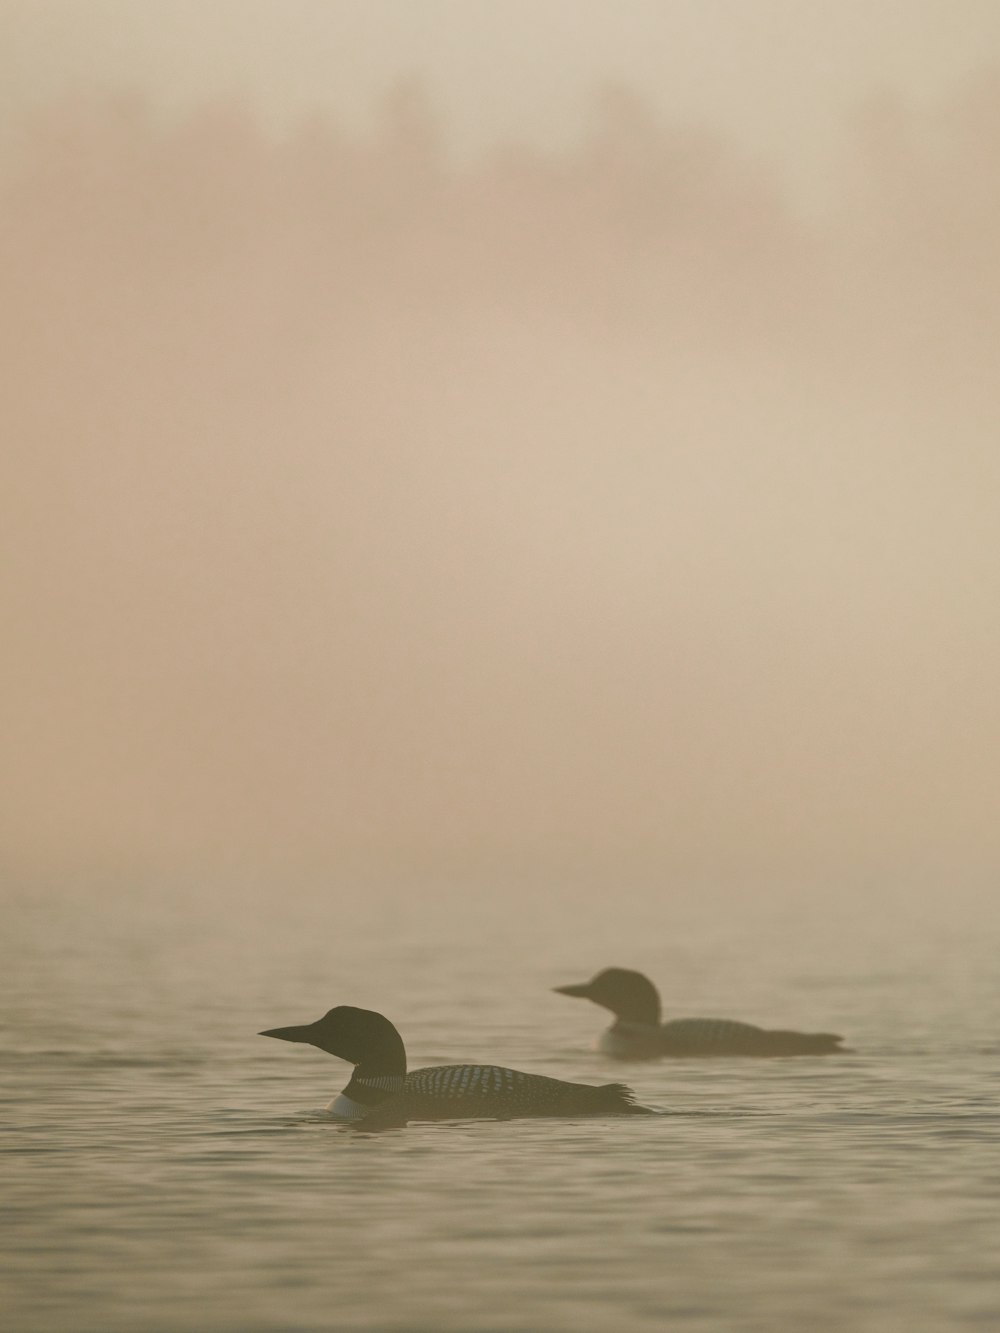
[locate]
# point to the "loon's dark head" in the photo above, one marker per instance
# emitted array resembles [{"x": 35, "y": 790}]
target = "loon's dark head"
[
  {"x": 629, "y": 995},
  {"x": 359, "y": 1036}
]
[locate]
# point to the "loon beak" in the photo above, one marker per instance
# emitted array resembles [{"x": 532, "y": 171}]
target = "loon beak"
[
  {"x": 303, "y": 1033},
  {"x": 581, "y": 990}
]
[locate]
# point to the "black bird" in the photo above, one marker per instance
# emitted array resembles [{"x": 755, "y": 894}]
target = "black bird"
[
  {"x": 638, "y": 1034},
  {"x": 381, "y": 1094}
]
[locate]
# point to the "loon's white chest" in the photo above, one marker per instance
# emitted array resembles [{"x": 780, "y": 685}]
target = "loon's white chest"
[{"x": 343, "y": 1108}]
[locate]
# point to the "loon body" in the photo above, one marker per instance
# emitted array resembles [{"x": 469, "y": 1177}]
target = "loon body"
[
  {"x": 381, "y": 1094},
  {"x": 638, "y": 1034}
]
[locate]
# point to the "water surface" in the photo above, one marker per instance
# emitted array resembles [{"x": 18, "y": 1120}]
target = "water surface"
[{"x": 167, "y": 1169}]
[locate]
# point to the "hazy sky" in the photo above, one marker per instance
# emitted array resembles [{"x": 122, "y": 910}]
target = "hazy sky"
[
  {"x": 592, "y": 508},
  {"x": 778, "y": 74}
]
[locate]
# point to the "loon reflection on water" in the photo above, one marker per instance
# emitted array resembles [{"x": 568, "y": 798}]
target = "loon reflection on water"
[
  {"x": 638, "y": 1034},
  {"x": 382, "y": 1095}
]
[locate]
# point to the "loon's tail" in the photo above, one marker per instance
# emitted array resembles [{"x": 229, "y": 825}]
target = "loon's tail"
[{"x": 609, "y": 1099}]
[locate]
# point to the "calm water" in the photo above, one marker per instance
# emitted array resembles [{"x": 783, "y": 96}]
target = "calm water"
[{"x": 167, "y": 1169}]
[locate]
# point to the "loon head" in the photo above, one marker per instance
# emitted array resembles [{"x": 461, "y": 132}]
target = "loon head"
[
  {"x": 630, "y": 996},
  {"x": 359, "y": 1036}
]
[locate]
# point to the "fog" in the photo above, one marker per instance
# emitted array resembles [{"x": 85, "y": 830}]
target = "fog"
[{"x": 588, "y": 509}]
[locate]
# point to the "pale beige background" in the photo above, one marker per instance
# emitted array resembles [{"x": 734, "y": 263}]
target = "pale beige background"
[{"x": 628, "y": 503}]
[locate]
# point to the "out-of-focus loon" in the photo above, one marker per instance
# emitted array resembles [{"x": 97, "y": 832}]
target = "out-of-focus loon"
[
  {"x": 382, "y": 1095},
  {"x": 638, "y": 1034}
]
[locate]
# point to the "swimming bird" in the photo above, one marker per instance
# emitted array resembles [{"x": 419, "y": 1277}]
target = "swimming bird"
[
  {"x": 638, "y": 1034},
  {"x": 382, "y": 1095}
]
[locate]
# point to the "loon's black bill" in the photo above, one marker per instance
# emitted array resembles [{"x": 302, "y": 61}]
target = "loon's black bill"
[
  {"x": 582, "y": 990},
  {"x": 289, "y": 1034}
]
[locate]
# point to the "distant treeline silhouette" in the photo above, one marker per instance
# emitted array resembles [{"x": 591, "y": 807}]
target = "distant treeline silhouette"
[{"x": 644, "y": 224}]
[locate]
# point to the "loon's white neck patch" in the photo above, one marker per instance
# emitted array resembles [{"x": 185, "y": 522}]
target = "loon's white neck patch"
[
  {"x": 345, "y": 1109},
  {"x": 629, "y": 1039},
  {"x": 380, "y": 1082}
]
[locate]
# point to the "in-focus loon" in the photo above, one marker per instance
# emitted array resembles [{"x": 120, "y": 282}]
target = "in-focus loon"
[
  {"x": 638, "y": 1034},
  {"x": 382, "y": 1095}
]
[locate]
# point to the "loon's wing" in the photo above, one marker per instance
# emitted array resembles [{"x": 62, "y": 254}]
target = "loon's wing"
[
  {"x": 466, "y": 1092},
  {"x": 725, "y": 1036}
]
